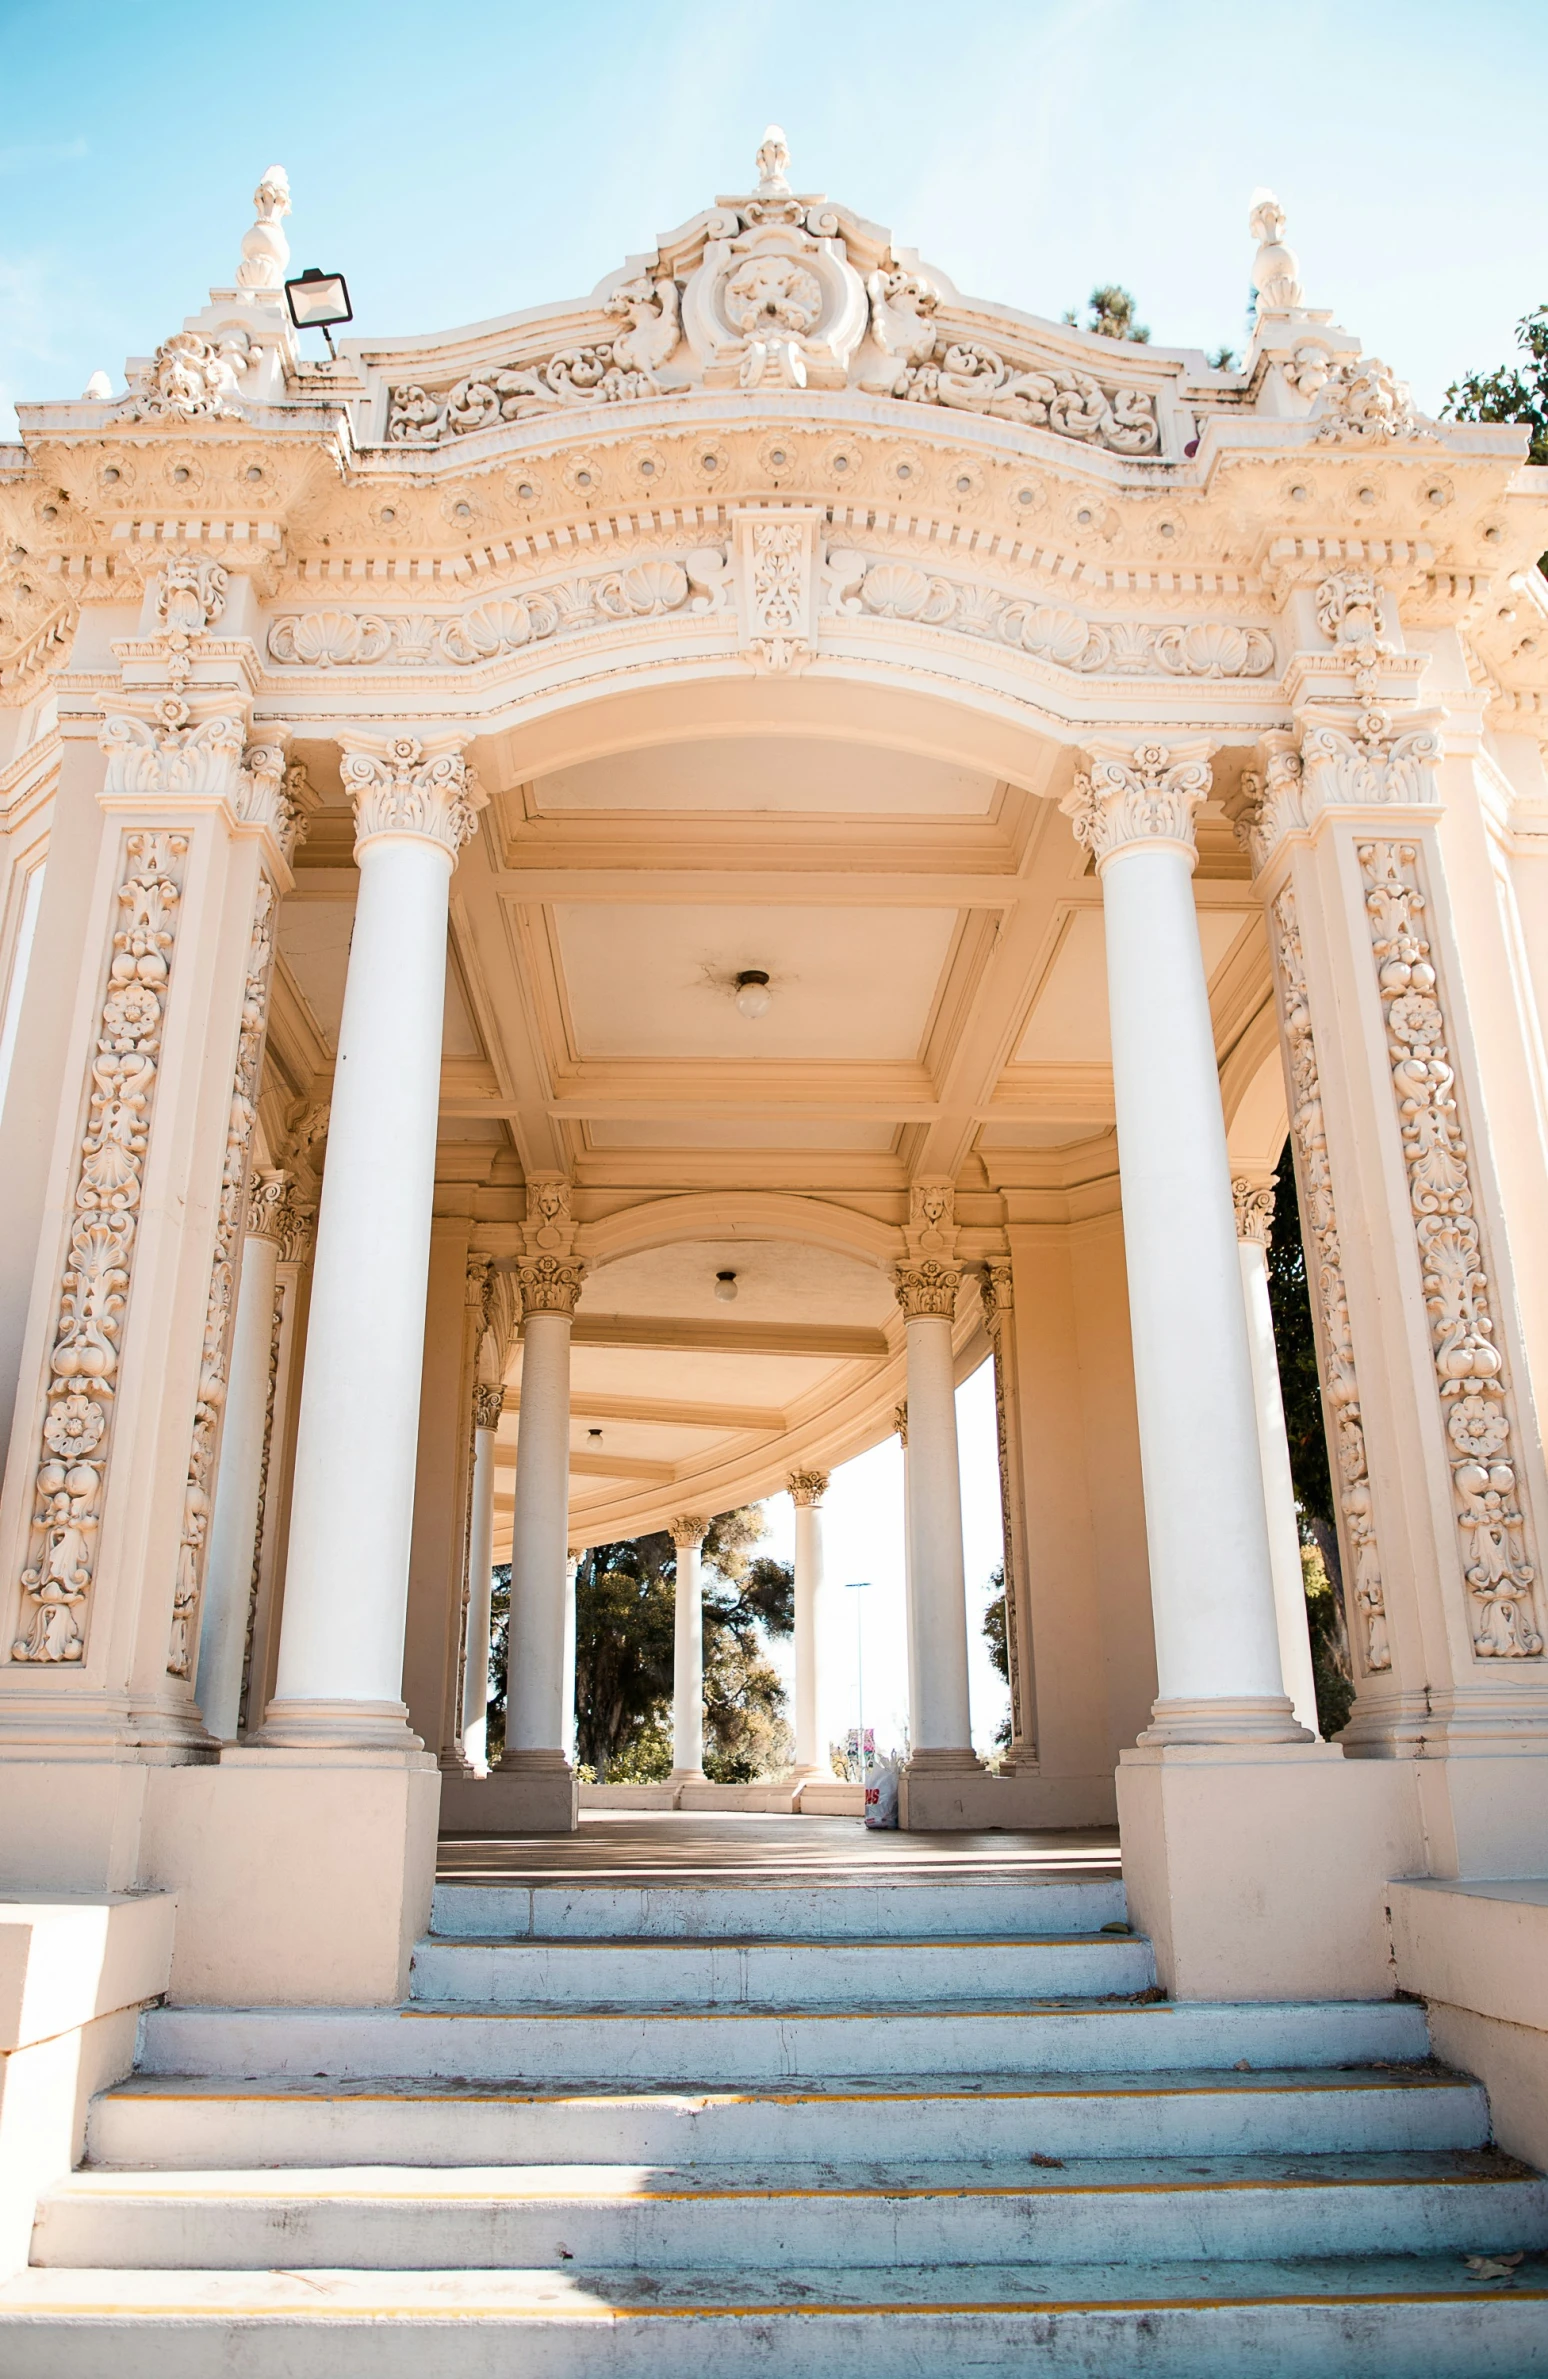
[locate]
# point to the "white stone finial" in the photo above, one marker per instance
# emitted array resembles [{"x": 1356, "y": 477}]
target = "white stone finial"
[
  {"x": 1276, "y": 274},
  {"x": 265, "y": 249},
  {"x": 99, "y": 388},
  {"x": 773, "y": 164}
]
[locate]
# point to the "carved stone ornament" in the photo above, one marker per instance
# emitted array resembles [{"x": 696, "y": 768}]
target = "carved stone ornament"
[
  {"x": 807, "y": 1487},
  {"x": 193, "y": 379},
  {"x": 1363, "y": 403},
  {"x": 1147, "y": 796},
  {"x": 1268, "y": 804},
  {"x": 777, "y": 557},
  {"x": 1471, "y": 1375},
  {"x": 190, "y": 595},
  {"x": 99, "y": 1263},
  {"x": 1254, "y": 1204},
  {"x": 1050, "y": 632},
  {"x": 549, "y": 1284},
  {"x": 275, "y": 794},
  {"x": 775, "y": 302},
  {"x": 404, "y": 786},
  {"x": 1365, "y": 1601},
  {"x": 504, "y": 624},
  {"x": 267, "y": 1193},
  {"x": 168, "y": 751},
  {"x": 1380, "y": 761},
  {"x": 220, "y": 1304},
  {"x": 1276, "y": 274},
  {"x": 265, "y": 249},
  {"x": 900, "y": 1422},
  {"x": 1350, "y": 606},
  {"x": 995, "y": 1290},
  {"x": 689, "y": 1528},
  {"x": 548, "y": 1271},
  {"x": 603, "y": 372},
  {"x": 488, "y": 1404},
  {"x": 927, "y": 1285}
]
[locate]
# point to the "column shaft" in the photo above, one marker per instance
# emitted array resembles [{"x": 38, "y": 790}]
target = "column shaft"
[
  {"x": 534, "y": 1732},
  {"x": 937, "y": 1586},
  {"x": 1284, "y": 1534},
  {"x": 475, "y": 1664},
  {"x": 571, "y": 1571},
  {"x": 811, "y": 1626},
  {"x": 228, "y": 1577},
  {"x": 688, "y": 1661}
]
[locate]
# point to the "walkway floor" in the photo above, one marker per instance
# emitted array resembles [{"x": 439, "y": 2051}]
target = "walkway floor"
[{"x": 673, "y": 1846}]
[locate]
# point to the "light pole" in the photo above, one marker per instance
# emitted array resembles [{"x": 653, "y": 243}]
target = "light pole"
[{"x": 859, "y": 1586}]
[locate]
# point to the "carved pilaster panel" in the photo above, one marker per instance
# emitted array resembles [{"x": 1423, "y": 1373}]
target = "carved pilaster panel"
[
  {"x": 1364, "y": 1595},
  {"x": 1471, "y": 1373},
  {"x": 77, "y": 1429},
  {"x": 996, "y": 1290},
  {"x": 220, "y": 1304}
]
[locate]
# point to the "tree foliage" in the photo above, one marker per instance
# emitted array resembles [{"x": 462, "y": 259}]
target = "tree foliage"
[
  {"x": 1110, "y": 312},
  {"x": 625, "y": 1596},
  {"x": 995, "y": 1636},
  {"x": 1511, "y": 393}
]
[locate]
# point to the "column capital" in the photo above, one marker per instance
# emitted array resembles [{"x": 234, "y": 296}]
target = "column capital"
[
  {"x": 689, "y": 1528},
  {"x": 1138, "y": 796},
  {"x": 267, "y": 1190},
  {"x": 900, "y": 1421},
  {"x": 1254, "y": 1204},
  {"x": 995, "y": 1288},
  {"x": 548, "y": 1271},
  {"x": 807, "y": 1486},
  {"x": 927, "y": 1285},
  {"x": 412, "y": 785},
  {"x": 488, "y": 1404}
]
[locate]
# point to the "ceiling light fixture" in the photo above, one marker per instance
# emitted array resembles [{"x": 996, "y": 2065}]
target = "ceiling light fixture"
[
  {"x": 752, "y": 991},
  {"x": 725, "y": 1287}
]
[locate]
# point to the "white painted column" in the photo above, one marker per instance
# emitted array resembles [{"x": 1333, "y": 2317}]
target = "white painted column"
[
  {"x": 807, "y": 1489},
  {"x": 1211, "y": 1581},
  {"x": 228, "y": 1576},
  {"x": 549, "y": 1276},
  {"x": 941, "y": 1721},
  {"x": 340, "y": 1670},
  {"x": 572, "y": 1561},
  {"x": 488, "y": 1398},
  {"x": 688, "y": 1534},
  {"x": 1254, "y": 1221}
]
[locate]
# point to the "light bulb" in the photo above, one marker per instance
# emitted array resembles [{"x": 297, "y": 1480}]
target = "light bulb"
[
  {"x": 725, "y": 1287},
  {"x": 752, "y": 991}
]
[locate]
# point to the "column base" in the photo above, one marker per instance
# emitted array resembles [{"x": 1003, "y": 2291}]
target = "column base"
[
  {"x": 937, "y": 1791},
  {"x": 303, "y": 1877},
  {"x": 530, "y": 1792},
  {"x": 1258, "y": 1870},
  {"x": 336, "y": 1726},
  {"x": 1244, "y": 1719},
  {"x": 687, "y": 1776}
]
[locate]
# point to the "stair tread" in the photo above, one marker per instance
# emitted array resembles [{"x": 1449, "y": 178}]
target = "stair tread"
[
  {"x": 957, "y": 2177},
  {"x": 608, "y": 2294},
  {"x": 1187, "y": 2081},
  {"x": 891, "y": 1943}
]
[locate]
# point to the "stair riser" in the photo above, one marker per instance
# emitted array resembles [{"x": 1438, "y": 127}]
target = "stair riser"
[
  {"x": 711, "y": 2048},
  {"x": 799, "y": 1912},
  {"x": 1500, "y": 2339},
  {"x": 238, "y": 2133},
  {"x": 776, "y": 1974},
  {"x": 752, "y": 2233}
]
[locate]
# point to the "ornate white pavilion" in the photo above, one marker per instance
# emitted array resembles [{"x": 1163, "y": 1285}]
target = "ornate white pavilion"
[{"x": 598, "y": 907}]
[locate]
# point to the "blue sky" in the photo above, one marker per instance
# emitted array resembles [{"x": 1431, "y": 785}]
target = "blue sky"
[{"x": 464, "y": 160}]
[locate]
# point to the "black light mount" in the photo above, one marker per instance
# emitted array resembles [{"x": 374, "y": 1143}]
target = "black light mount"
[{"x": 317, "y": 299}]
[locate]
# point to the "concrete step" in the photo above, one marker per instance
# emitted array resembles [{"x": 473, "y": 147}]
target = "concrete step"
[
  {"x": 195, "y": 2125},
  {"x": 1390, "y": 2317},
  {"x": 767, "y": 2217},
  {"x": 832, "y": 1973},
  {"x": 810, "y": 1911},
  {"x": 746, "y": 2046}
]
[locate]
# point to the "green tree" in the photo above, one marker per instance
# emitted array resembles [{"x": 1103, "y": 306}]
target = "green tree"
[
  {"x": 1111, "y": 315},
  {"x": 1301, "y": 1392},
  {"x": 994, "y": 1625},
  {"x": 1511, "y": 393}
]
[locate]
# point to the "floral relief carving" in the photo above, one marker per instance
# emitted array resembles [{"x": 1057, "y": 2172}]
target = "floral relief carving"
[
  {"x": 1268, "y": 804},
  {"x": 1349, "y": 611},
  {"x": 190, "y": 595},
  {"x": 171, "y": 752},
  {"x": 220, "y": 1304},
  {"x": 99, "y": 1263},
  {"x": 1049, "y": 631},
  {"x": 779, "y": 578},
  {"x": 1378, "y": 762},
  {"x": 1362, "y": 402},
  {"x": 1144, "y": 797},
  {"x": 1470, "y": 1369},
  {"x": 1364, "y": 1595},
  {"x": 607, "y": 372},
  {"x": 996, "y": 1290},
  {"x": 1254, "y": 1204},
  {"x": 548, "y": 1271},
  {"x": 358, "y": 640}
]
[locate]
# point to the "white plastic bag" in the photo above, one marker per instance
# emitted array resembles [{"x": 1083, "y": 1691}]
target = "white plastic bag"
[{"x": 881, "y": 1794}]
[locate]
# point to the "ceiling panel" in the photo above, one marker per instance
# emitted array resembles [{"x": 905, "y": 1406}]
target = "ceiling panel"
[
  {"x": 776, "y": 1281},
  {"x": 695, "y": 1377},
  {"x": 742, "y": 774},
  {"x": 658, "y": 981},
  {"x": 314, "y": 938},
  {"x": 699, "y": 1131},
  {"x": 1069, "y": 1022}
]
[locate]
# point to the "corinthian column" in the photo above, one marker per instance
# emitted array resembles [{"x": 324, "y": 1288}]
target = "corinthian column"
[
  {"x": 1211, "y": 1581},
  {"x": 346, "y": 1588},
  {"x": 548, "y": 1274},
  {"x": 228, "y": 1577},
  {"x": 927, "y": 1281},
  {"x": 688, "y": 1534},
  {"x": 488, "y": 1401},
  {"x": 1254, "y": 1203},
  {"x": 807, "y": 1489}
]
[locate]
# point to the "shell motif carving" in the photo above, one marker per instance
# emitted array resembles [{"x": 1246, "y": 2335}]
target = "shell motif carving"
[{"x": 357, "y": 640}]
